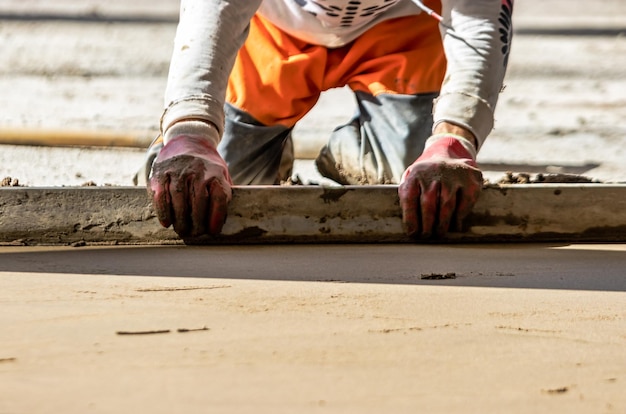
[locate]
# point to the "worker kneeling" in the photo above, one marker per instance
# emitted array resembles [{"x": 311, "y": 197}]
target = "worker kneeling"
[{"x": 426, "y": 80}]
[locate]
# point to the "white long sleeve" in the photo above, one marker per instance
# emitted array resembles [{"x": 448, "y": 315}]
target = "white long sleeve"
[
  {"x": 476, "y": 37},
  {"x": 477, "y": 48},
  {"x": 208, "y": 37}
]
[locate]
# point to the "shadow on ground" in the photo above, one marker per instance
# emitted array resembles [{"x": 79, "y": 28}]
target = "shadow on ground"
[{"x": 535, "y": 266}]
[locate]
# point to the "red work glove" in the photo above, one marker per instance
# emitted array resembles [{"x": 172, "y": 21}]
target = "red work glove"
[
  {"x": 190, "y": 186},
  {"x": 440, "y": 188}
]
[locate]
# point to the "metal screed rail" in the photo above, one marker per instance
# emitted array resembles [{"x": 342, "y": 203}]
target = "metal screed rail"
[{"x": 312, "y": 214}]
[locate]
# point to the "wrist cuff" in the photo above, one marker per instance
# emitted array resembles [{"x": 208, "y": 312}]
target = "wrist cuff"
[
  {"x": 196, "y": 128},
  {"x": 471, "y": 112},
  {"x": 466, "y": 143}
]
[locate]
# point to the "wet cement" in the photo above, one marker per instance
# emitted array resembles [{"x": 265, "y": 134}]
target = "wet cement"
[{"x": 313, "y": 328}]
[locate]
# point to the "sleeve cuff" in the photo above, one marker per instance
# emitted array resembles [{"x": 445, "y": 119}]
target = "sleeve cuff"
[
  {"x": 470, "y": 112},
  {"x": 469, "y": 147},
  {"x": 195, "y": 128},
  {"x": 200, "y": 108}
]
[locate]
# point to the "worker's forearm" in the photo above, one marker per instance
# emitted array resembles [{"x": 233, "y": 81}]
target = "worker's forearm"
[
  {"x": 209, "y": 35},
  {"x": 476, "y": 49}
]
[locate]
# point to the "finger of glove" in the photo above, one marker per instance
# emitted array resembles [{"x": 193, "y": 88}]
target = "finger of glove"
[
  {"x": 409, "y": 193},
  {"x": 159, "y": 190},
  {"x": 466, "y": 201},
  {"x": 429, "y": 206},
  {"x": 447, "y": 208},
  {"x": 199, "y": 201},
  {"x": 220, "y": 195},
  {"x": 179, "y": 194}
]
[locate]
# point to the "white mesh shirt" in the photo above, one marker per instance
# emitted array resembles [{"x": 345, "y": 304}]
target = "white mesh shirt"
[
  {"x": 334, "y": 13},
  {"x": 332, "y": 23}
]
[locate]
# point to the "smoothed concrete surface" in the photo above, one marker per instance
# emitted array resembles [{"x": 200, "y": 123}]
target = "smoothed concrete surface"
[
  {"x": 533, "y": 328},
  {"x": 539, "y": 266}
]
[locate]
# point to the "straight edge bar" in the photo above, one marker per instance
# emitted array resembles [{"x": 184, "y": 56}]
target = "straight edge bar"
[{"x": 312, "y": 214}]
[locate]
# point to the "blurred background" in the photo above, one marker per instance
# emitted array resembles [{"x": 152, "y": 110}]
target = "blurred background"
[{"x": 84, "y": 81}]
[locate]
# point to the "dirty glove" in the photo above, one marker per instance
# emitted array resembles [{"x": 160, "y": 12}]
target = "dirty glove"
[
  {"x": 440, "y": 188},
  {"x": 190, "y": 184}
]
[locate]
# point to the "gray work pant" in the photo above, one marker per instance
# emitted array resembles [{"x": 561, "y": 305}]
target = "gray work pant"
[{"x": 384, "y": 137}]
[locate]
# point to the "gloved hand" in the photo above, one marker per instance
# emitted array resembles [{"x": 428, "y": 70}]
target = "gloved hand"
[
  {"x": 190, "y": 186},
  {"x": 440, "y": 188}
]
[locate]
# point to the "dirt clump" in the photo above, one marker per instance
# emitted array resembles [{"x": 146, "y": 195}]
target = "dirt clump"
[
  {"x": 526, "y": 178},
  {"x": 438, "y": 276},
  {"x": 10, "y": 182},
  {"x": 564, "y": 178},
  {"x": 292, "y": 180}
]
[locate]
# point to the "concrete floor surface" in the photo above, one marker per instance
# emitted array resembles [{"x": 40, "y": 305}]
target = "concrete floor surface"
[{"x": 526, "y": 328}]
